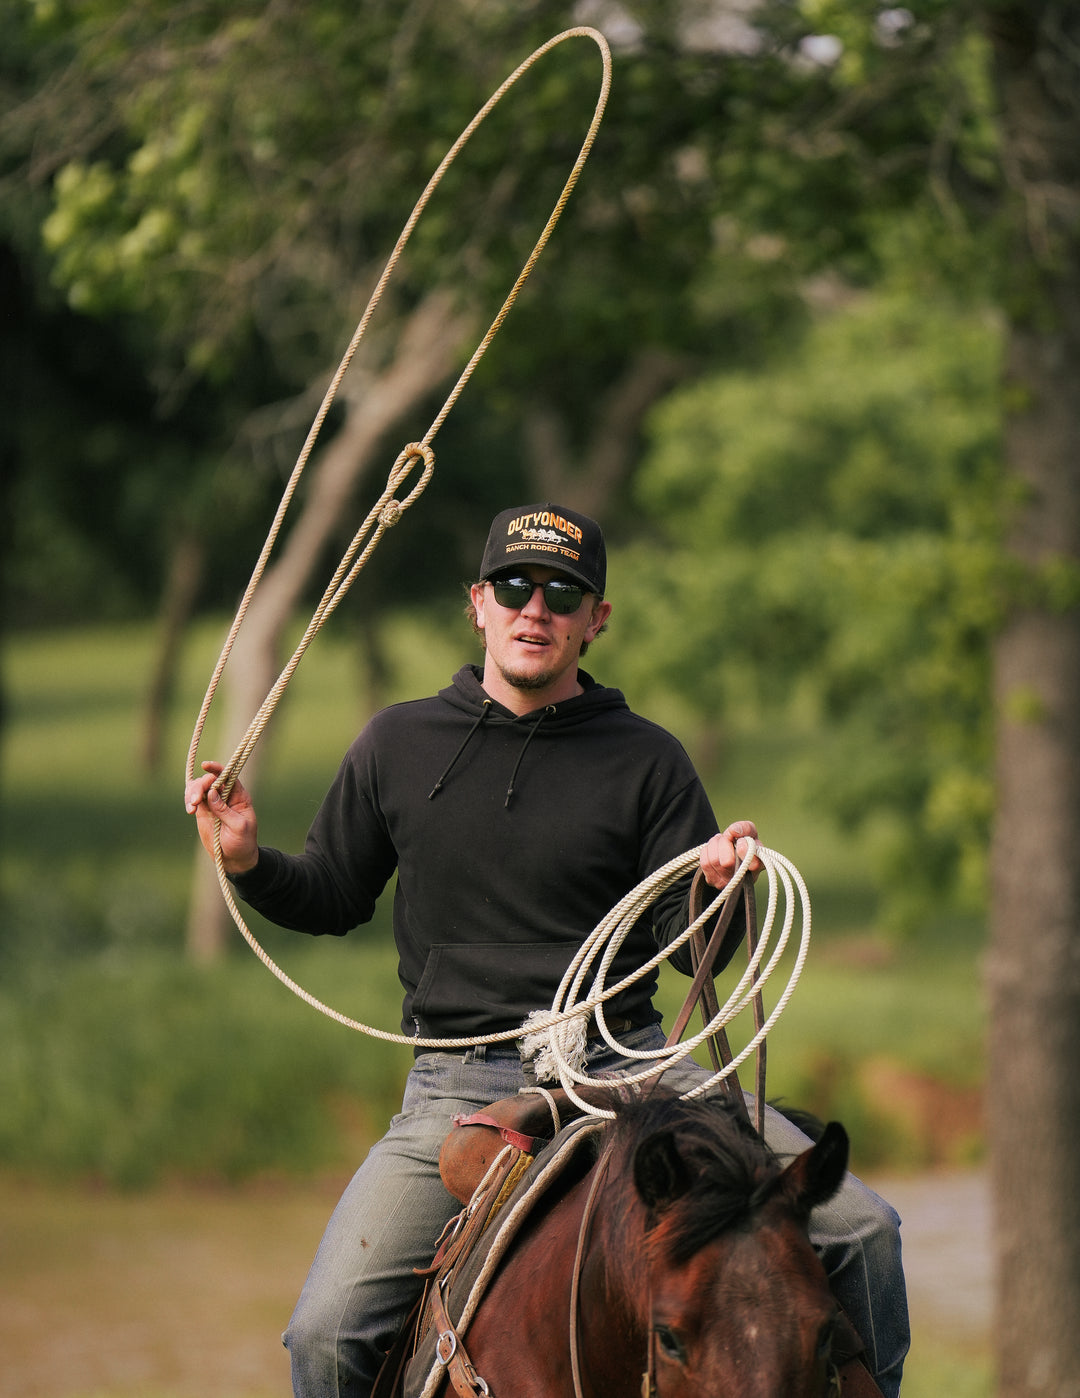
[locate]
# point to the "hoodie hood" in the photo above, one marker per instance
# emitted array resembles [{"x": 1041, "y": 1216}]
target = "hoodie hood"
[{"x": 466, "y": 693}]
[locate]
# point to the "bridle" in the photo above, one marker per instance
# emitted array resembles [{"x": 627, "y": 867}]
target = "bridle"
[{"x": 648, "y": 1377}]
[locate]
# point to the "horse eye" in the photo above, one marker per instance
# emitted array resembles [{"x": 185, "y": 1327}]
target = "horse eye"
[{"x": 670, "y": 1345}]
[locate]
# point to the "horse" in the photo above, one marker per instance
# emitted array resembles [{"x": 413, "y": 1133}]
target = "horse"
[{"x": 676, "y": 1265}]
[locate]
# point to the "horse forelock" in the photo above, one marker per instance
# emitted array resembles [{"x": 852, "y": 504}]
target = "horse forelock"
[{"x": 729, "y": 1170}]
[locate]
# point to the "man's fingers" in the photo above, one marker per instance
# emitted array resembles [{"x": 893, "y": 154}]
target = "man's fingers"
[{"x": 195, "y": 793}]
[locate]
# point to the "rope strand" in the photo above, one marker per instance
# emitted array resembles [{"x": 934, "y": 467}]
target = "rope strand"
[{"x": 570, "y": 1006}]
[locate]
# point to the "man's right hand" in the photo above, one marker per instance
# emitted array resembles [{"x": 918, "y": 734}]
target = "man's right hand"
[{"x": 239, "y": 829}]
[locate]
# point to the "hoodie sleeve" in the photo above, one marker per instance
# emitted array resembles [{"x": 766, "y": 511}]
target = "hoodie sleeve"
[
  {"x": 682, "y": 820},
  {"x": 347, "y": 861}
]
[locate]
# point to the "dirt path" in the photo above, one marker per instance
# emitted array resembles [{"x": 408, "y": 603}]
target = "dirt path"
[
  {"x": 947, "y": 1252},
  {"x": 174, "y": 1294},
  {"x": 182, "y": 1293}
]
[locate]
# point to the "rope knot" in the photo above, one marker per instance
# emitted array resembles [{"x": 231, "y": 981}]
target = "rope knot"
[{"x": 390, "y": 513}]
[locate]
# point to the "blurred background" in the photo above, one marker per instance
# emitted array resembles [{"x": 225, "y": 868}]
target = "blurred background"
[{"x": 806, "y": 341}]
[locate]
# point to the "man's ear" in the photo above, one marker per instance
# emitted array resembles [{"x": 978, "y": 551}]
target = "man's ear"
[
  {"x": 476, "y": 593},
  {"x": 601, "y": 612}
]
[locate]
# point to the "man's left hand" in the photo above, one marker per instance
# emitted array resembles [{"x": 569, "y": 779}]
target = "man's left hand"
[{"x": 726, "y": 851}]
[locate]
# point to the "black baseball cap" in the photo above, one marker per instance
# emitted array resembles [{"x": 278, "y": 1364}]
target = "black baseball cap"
[{"x": 551, "y": 535}]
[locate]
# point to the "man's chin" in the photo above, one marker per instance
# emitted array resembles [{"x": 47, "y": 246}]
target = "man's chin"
[
  {"x": 528, "y": 677},
  {"x": 528, "y": 680}
]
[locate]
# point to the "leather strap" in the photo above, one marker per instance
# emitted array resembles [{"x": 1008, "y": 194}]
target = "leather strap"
[
  {"x": 708, "y": 954},
  {"x": 451, "y": 1352},
  {"x": 529, "y": 1144},
  {"x": 708, "y": 959}
]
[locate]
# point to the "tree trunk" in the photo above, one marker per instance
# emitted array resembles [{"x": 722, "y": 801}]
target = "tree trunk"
[
  {"x": 1034, "y": 965},
  {"x": 185, "y": 574},
  {"x": 427, "y": 352},
  {"x": 1033, "y": 970},
  {"x": 609, "y": 455}
]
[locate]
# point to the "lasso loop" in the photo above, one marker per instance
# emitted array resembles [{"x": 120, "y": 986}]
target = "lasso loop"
[
  {"x": 387, "y": 511},
  {"x": 570, "y": 1007}
]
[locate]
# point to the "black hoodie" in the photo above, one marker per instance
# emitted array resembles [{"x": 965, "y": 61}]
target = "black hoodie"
[{"x": 512, "y": 837}]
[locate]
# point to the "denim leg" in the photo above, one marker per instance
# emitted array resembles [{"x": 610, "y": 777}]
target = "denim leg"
[
  {"x": 857, "y": 1236},
  {"x": 361, "y": 1284}
]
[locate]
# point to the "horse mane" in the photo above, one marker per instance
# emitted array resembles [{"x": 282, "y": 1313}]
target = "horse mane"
[{"x": 729, "y": 1168}]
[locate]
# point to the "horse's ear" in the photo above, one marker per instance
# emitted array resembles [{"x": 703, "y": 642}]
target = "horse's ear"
[
  {"x": 660, "y": 1173},
  {"x": 815, "y": 1176}
]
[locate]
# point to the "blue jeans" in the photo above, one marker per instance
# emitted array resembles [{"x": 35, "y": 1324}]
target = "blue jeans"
[{"x": 361, "y": 1284}]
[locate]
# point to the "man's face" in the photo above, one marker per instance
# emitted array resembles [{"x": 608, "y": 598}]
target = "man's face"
[{"x": 531, "y": 649}]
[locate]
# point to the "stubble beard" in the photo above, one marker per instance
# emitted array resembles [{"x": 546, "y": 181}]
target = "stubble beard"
[{"x": 527, "y": 680}]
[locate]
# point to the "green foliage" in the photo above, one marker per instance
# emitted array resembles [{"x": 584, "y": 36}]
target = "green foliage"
[
  {"x": 262, "y": 163},
  {"x": 136, "y": 1070},
  {"x": 134, "y": 1067},
  {"x": 219, "y": 186},
  {"x": 828, "y": 538}
]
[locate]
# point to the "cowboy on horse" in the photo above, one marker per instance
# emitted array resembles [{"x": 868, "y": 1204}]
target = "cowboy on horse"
[{"x": 515, "y": 808}]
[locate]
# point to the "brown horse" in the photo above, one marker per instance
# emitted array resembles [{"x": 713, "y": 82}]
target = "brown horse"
[{"x": 677, "y": 1267}]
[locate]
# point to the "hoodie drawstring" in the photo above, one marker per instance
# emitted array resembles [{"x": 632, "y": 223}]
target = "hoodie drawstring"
[
  {"x": 550, "y": 709},
  {"x": 468, "y": 738}
]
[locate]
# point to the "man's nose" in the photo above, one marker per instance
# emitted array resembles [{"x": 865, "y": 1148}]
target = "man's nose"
[{"x": 537, "y": 604}]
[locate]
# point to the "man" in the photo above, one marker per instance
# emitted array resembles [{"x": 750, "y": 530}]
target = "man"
[{"x": 516, "y": 807}]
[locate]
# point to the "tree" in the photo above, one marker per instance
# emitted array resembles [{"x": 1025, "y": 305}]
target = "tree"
[
  {"x": 964, "y": 170},
  {"x": 1033, "y": 973},
  {"x": 832, "y": 550}
]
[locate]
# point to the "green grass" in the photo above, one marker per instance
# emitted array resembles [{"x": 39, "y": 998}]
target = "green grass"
[{"x": 934, "y": 1371}]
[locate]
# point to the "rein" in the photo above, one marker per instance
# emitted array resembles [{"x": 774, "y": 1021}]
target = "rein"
[
  {"x": 599, "y": 1172},
  {"x": 702, "y": 993}
]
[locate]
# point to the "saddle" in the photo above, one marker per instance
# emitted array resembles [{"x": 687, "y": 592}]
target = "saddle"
[{"x": 516, "y": 1169}]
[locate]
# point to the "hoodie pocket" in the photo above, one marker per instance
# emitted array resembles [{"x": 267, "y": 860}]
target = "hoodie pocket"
[{"x": 497, "y": 982}]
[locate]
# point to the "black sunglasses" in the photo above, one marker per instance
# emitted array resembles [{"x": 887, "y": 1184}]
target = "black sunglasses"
[{"x": 560, "y": 597}]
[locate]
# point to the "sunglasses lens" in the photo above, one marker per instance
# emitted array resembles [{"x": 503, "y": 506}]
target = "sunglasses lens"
[
  {"x": 562, "y": 598},
  {"x": 512, "y": 592}
]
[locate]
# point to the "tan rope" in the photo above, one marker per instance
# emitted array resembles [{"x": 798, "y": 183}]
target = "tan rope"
[{"x": 388, "y": 509}]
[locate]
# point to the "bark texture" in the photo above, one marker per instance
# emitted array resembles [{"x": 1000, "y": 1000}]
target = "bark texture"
[{"x": 1033, "y": 970}]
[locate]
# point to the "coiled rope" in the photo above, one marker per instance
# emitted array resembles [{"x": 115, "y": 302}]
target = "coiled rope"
[
  {"x": 558, "y": 1034},
  {"x": 562, "y": 1028}
]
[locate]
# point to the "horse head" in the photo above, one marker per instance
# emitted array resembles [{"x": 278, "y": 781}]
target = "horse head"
[
  {"x": 681, "y": 1260},
  {"x": 733, "y": 1299}
]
